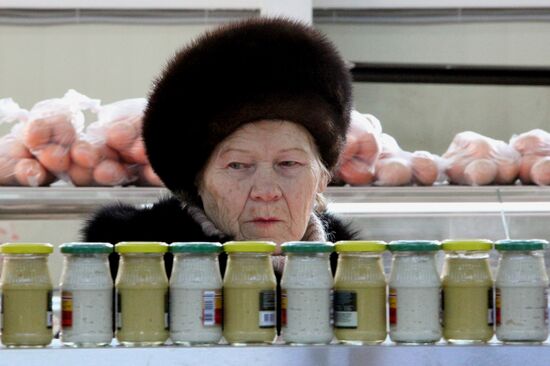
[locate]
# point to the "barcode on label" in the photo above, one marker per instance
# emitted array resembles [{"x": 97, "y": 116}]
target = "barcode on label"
[
  {"x": 490, "y": 309},
  {"x": 49, "y": 312},
  {"x": 209, "y": 308},
  {"x": 49, "y": 319},
  {"x": 331, "y": 307},
  {"x": 118, "y": 309},
  {"x": 267, "y": 309},
  {"x": 167, "y": 310},
  {"x": 267, "y": 319},
  {"x": 345, "y": 307},
  {"x": 545, "y": 297}
]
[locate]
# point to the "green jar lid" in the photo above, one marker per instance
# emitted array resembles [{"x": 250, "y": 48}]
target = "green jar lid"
[
  {"x": 86, "y": 248},
  {"x": 414, "y": 246},
  {"x": 199, "y": 247},
  {"x": 307, "y": 247},
  {"x": 519, "y": 245}
]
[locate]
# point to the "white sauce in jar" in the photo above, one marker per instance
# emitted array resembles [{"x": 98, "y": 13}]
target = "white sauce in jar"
[
  {"x": 521, "y": 297},
  {"x": 307, "y": 283},
  {"x": 414, "y": 298},
  {"x": 195, "y": 299},
  {"x": 86, "y": 300}
]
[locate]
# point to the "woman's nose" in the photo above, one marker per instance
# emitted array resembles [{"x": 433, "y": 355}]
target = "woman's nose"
[{"x": 265, "y": 186}]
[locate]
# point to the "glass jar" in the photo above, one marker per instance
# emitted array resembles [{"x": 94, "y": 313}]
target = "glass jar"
[
  {"x": 468, "y": 315},
  {"x": 86, "y": 295},
  {"x": 249, "y": 285},
  {"x": 195, "y": 294},
  {"x": 306, "y": 293},
  {"x": 521, "y": 291},
  {"x": 414, "y": 292},
  {"x": 360, "y": 292},
  {"x": 141, "y": 294},
  {"x": 26, "y": 295}
]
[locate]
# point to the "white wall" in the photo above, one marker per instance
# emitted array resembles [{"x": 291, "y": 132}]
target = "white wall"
[
  {"x": 112, "y": 62},
  {"x": 109, "y": 62},
  {"x": 426, "y": 116}
]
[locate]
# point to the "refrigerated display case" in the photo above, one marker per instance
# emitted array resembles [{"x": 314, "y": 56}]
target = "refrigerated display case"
[{"x": 438, "y": 212}]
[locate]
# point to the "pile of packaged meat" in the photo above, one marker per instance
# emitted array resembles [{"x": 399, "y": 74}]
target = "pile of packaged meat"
[
  {"x": 373, "y": 157},
  {"x": 50, "y": 142}
]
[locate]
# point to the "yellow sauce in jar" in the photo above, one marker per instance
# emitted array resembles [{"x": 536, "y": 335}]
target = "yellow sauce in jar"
[
  {"x": 467, "y": 301},
  {"x": 26, "y": 295},
  {"x": 249, "y": 293},
  {"x": 142, "y": 295},
  {"x": 360, "y": 293}
]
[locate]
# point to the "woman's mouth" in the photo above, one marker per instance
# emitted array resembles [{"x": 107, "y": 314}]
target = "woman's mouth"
[{"x": 265, "y": 221}]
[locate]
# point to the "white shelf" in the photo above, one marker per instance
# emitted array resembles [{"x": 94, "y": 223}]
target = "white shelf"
[
  {"x": 64, "y": 201},
  {"x": 131, "y": 4},
  {"x": 431, "y": 4},
  {"x": 502, "y": 355},
  {"x": 440, "y": 193},
  {"x": 68, "y": 202},
  {"x": 257, "y": 4}
]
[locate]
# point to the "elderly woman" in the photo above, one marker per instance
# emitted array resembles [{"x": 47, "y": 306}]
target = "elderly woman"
[{"x": 244, "y": 127}]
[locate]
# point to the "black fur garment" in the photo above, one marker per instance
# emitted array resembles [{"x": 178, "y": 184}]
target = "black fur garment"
[{"x": 242, "y": 72}]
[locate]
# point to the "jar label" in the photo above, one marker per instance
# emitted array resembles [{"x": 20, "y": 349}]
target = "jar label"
[
  {"x": 118, "y": 314},
  {"x": 331, "y": 307},
  {"x": 490, "y": 308},
  {"x": 497, "y": 306},
  {"x": 345, "y": 309},
  {"x": 284, "y": 305},
  {"x": 211, "y": 308},
  {"x": 167, "y": 310},
  {"x": 1, "y": 312},
  {"x": 49, "y": 312},
  {"x": 267, "y": 309},
  {"x": 66, "y": 309},
  {"x": 392, "y": 300},
  {"x": 545, "y": 305},
  {"x": 441, "y": 307}
]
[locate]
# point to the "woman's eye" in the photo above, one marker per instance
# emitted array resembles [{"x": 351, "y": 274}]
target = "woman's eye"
[
  {"x": 288, "y": 163},
  {"x": 237, "y": 166}
]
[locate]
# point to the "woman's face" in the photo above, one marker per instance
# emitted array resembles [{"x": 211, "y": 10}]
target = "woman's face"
[{"x": 260, "y": 183}]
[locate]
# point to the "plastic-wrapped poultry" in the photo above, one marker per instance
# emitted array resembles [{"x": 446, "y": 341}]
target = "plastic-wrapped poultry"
[
  {"x": 534, "y": 146},
  {"x": 394, "y": 166},
  {"x": 361, "y": 150},
  {"x": 112, "y": 148},
  {"x": 397, "y": 167},
  {"x": 372, "y": 157},
  {"x": 474, "y": 159},
  {"x": 18, "y": 167}
]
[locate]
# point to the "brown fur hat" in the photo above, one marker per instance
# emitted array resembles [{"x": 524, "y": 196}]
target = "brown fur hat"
[{"x": 243, "y": 72}]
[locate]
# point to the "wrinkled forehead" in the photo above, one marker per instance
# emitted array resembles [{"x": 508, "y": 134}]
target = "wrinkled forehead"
[{"x": 269, "y": 135}]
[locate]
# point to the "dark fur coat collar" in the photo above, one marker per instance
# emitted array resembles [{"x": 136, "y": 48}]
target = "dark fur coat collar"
[{"x": 168, "y": 222}]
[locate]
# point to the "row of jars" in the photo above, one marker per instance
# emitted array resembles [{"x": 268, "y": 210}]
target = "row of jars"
[{"x": 314, "y": 306}]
